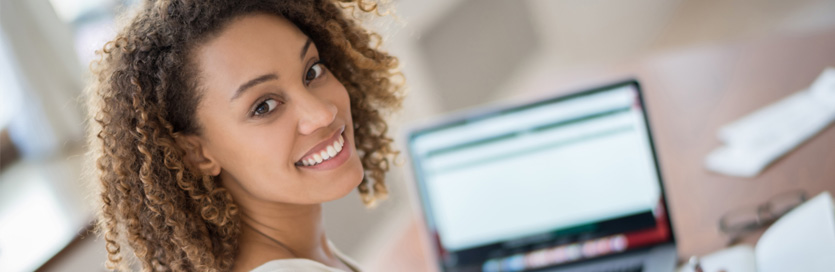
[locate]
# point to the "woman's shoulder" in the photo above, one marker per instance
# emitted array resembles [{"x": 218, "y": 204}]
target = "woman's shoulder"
[
  {"x": 281, "y": 264},
  {"x": 297, "y": 264}
]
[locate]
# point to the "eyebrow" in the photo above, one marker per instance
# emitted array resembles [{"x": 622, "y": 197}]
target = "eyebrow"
[
  {"x": 266, "y": 77},
  {"x": 304, "y": 49}
]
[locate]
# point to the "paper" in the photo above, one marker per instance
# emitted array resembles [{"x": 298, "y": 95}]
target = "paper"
[
  {"x": 824, "y": 87},
  {"x": 734, "y": 259},
  {"x": 802, "y": 240},
  {"x": 756, "y": 140}
]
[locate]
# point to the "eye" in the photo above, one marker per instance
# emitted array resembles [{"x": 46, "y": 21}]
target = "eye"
[
  {"x": 315, "y": 71},
  {"x": 264, "y": 107}
]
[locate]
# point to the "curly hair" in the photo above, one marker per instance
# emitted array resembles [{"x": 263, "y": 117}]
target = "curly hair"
[{"x": 145, "y": 93}]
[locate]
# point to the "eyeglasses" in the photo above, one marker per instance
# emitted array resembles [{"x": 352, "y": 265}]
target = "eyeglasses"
[{"x": 742, "y": 221}]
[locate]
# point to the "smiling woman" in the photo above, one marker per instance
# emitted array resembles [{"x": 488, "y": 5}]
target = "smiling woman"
[{"x": 221, "y": 126}]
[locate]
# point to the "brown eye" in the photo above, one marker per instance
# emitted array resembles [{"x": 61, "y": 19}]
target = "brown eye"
[
  {"x": 314, "y": 72},
  {"x": 265, "y": 107}
]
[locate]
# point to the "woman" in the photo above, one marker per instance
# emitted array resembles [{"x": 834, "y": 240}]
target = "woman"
[{"x": 221, "y": 127}]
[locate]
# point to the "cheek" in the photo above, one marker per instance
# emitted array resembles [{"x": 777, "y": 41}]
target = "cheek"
[
  {"x": 258, "y": 164},
  {"x": 251, "y": 151},
  {"x": 342, "y": 100}
]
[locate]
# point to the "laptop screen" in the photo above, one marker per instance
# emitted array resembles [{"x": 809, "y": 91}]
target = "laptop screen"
[{"x": 556, "y": 181}]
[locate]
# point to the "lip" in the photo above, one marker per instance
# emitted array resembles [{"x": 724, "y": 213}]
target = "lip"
[
  {"x": 323, "y": 144},
  {"x": 332, "y": 163}
]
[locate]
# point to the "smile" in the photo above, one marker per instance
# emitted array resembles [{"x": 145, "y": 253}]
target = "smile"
[{"x": 325, "y": 154}]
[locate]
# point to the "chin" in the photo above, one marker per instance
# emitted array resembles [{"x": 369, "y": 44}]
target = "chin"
[
  {"x": 352, "y": 180},
  {"x": 346, "y": 182}
]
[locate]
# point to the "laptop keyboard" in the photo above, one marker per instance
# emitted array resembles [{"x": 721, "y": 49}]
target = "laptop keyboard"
[
  {"x": 628, "y": 269},
  {"x": 633, "y": 263},
  {"x": 638, "y": 268},
  {"x": 624, "y": 268}
]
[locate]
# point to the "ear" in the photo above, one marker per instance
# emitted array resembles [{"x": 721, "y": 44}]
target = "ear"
[{"x": 197, "y": 155}]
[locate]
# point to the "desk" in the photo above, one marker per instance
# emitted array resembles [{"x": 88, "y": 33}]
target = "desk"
[{"x": 690, "y": 94}]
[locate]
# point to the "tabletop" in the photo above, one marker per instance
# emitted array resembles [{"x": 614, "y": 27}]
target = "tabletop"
[{"x": 690, "y": 94}]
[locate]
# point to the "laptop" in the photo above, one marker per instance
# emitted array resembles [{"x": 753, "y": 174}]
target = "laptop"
[{"x": 569, "y": 183}]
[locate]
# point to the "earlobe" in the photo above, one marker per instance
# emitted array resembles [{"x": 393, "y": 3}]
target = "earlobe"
[{"x": 196, "y": 154}]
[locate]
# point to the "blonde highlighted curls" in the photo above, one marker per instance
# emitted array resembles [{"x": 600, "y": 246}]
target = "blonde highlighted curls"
[{"x": 145, "y": 93}]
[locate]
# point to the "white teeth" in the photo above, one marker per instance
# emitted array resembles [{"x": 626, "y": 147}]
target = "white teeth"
[{"x": 329, "y": 152}]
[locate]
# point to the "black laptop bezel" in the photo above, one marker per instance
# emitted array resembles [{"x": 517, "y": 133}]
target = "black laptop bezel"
[{"x": 481, "y": 113}]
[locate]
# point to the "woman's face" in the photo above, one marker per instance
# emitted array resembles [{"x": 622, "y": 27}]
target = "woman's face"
[{"x": 270, "y": 109}]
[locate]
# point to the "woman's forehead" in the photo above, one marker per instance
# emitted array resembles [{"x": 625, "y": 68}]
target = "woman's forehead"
[
  {"x": 247, "y": 47},
  {"x": 253, "y": 37}
]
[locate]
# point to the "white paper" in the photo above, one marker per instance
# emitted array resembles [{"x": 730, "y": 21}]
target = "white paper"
[
  {"x": 734, "y": 259},
  {"x": 824, "y": 87},
  {"x": 802, "y": 240},
  {"x": 756, "y": 140}
]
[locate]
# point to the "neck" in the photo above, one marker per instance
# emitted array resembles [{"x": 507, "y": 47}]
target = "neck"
[
  {"x": 296, "y": 227},
  {"x": 276, "y": 230}
]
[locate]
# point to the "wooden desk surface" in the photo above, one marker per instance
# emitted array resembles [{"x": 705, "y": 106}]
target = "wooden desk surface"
[{"x": 690, "y": 94}]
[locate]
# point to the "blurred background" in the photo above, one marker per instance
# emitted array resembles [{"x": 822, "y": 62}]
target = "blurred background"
[{"x": 455, "y": 54}]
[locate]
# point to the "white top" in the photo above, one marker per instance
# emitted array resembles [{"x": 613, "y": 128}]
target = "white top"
[{"x": 301, "y": 264}]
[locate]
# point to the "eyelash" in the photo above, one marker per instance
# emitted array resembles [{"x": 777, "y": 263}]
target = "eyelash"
[
  {"x": 254, "y": 112},
  {"x": 321, "y": 66}
]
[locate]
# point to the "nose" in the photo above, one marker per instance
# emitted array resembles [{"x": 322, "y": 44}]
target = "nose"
[{"x": 314, "y": 112}]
